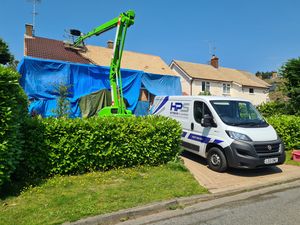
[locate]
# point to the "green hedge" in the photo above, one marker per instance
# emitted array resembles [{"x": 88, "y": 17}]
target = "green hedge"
[
  {"x": 73, "y": 146},
  {"x": 12, "y": 112},
  {"x": 288, "y": 128},
  {"x": 273, "y": 108}
]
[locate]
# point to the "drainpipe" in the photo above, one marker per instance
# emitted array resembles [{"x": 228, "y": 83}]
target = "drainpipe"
[{"x": 191, "y": 87}]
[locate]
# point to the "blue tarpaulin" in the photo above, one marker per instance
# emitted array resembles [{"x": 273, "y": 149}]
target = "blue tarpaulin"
[{"x": 40, "y": 79}]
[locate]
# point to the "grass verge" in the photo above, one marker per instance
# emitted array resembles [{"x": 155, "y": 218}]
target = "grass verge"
[
  {"x": 69, "y": 198},
  {"x": 289, "y": 159}
]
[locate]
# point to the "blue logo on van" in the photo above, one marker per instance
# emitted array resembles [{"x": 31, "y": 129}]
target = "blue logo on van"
[
  {"x": 164, "y": 101},
  {"x": 176, "y": 106},
  {"x": 202, "y": 139},
  {"x": 199, "y": 138}
]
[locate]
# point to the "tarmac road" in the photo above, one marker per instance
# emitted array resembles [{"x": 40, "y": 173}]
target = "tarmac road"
[{"x": 272, "y": 206}]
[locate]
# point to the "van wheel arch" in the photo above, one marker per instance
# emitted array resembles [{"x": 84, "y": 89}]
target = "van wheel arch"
[
  {"x": 211, "y": 145},
  {"x": 216, "y": 158}
]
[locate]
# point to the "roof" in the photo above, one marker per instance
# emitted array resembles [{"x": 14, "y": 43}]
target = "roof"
[
  {"x": 130, "y": 60},
  {"x": 208, "y": 72},
  {"x": 45, "y": 48},
  {"x": 51, "y": 49}
]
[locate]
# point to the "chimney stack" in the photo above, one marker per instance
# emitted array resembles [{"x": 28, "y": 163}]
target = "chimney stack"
[
  {"x": 29, "y": 30},
  {"x": 110, "y": 44},
  {"x": 214, "y": 61},
  {"x": 274, "y": 75}
]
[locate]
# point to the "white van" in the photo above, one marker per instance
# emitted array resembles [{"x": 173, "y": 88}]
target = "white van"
[{"x": 228, "y": 132}]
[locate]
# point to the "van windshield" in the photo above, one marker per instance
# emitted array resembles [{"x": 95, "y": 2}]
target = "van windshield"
[{"x": 238, "y": 113}]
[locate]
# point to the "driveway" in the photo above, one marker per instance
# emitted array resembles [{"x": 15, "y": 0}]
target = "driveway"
[{"x": 237, "y": 179}]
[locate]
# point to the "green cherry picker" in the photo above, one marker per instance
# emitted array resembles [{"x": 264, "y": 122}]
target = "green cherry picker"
[{"x": 122, "y": 22}]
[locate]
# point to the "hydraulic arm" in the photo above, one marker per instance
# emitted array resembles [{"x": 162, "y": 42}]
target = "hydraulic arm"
[{"x": 122, "y": 22}]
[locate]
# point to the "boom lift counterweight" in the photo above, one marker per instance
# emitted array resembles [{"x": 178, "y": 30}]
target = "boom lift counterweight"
[{"x": 122, "y": 22}]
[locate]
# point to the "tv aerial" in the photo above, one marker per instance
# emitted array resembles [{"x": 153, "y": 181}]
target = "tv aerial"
[{"x": 34, "y": 13}]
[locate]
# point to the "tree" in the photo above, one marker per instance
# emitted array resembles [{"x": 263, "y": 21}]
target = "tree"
[
  {"x": 5, "y": 56},
  {"x": 264, "y": 75},
  {"x": 63, "y": 108},
  {"x": 291, "y": 72}
]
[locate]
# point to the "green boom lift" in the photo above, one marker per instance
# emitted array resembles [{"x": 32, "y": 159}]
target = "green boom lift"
[{"x": 122, "y": 22}]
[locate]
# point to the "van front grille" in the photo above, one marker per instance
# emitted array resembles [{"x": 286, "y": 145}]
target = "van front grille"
[{"x": 267, "y": 148}]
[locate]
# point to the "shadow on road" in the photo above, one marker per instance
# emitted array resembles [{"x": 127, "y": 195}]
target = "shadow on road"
[{"x": 264, "y": 171}]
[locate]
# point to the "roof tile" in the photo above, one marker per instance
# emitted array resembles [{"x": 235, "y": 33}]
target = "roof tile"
[
  {"x": 209, "y": 72},
  {"x": 51, "y": 49},
  {"x": 130, "y": 60}
]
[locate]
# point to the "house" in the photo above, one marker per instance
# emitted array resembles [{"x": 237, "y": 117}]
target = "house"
[
  {"x": 46, "y": 48},
  {"x": 220, "y": 81},
  {"x": 155, "y": 77}
]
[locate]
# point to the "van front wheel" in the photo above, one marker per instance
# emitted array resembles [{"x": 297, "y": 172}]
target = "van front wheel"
[{"x": 216, "y": 160}]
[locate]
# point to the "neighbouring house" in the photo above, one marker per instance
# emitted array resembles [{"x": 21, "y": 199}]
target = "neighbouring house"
[
  {"x": 276, "y": 82},
  {"x": 151, "y": 67},
  {"x": 197, "y": 79}
]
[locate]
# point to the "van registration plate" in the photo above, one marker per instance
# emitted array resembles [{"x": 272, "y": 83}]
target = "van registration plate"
[{"x": 271, "y": 160}]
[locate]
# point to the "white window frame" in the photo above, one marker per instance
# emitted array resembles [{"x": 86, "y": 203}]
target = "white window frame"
[
  {"x": 226, "y": 88},
  {"x": 251, "y": 93},
  {"x": 206, "y": 86}
]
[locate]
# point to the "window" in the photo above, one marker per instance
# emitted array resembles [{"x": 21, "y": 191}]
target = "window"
[
  {"x": 205, "y": 86},
  {"x": 226, "y": 88},
  {"x": 238, "y": 113},
  {"x": 251, "y": 90},
  {"x": 200, "y": 109}
]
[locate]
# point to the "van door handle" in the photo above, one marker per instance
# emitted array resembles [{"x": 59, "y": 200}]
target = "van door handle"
[{"x": 192, "y": 126}]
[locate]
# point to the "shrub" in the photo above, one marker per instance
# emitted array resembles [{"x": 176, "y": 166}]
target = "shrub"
[
  {"x": 73, "y": 146},
  {"x": 273, "y": 108},
  {"x": 34, "y": 161},
  {"x": 288, "y": 128},
  {"x": 204, "y": 93},
  {"x": 12, "y": 112}
]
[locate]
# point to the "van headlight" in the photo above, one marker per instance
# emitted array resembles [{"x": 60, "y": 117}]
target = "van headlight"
[{"x": 238, "y": 136}]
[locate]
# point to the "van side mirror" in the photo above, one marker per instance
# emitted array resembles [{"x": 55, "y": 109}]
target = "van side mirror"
[{"x": 207, "y": 121}]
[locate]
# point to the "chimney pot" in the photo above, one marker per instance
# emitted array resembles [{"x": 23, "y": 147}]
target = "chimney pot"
[
  {"x": 110, "y": 44},
  {"x": 214, "y": 61},
  {"x": 29, "y": 30}
]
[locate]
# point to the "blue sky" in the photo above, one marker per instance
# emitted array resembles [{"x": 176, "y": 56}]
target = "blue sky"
[{"x": 257, "y": 35}]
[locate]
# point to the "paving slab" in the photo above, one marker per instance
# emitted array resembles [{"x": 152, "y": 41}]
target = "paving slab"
[{"x": 236, "y": 179}]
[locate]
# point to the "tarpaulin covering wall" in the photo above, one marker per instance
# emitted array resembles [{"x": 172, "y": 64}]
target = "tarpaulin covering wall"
[
  {"x": 93, "y": 103},
  {"x": 40, "y": 79}
]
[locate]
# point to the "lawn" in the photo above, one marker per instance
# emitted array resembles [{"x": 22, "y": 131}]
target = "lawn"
[{"x": 69, "y": 198}]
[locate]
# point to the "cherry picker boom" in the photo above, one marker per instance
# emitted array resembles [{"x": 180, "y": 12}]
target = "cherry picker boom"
[{"x": 122, "y": 22}]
